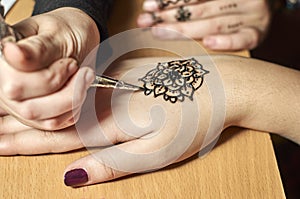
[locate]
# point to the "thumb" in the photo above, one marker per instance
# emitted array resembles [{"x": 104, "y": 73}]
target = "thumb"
[
  {"x": 32, "y": 53},
  {"x": 117, "y": 161}
]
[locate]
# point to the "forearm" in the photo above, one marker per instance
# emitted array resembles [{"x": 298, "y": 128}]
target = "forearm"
[{"x": 261, "y": 96}]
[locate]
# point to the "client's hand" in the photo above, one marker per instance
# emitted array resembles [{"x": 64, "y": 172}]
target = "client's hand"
[
  {"x": 133, "y": 127},
  {"x": 222, "y": 24},
  {"x": 143, "y": 133}
]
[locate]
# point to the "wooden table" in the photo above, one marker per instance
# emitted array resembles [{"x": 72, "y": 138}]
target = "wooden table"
[{"x": 242, "y": 165}]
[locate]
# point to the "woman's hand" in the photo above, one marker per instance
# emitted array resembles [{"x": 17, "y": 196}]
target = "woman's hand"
[
  {"x": 139, "y": 133},
  {"x": 40, "y": 70},
  {"x": 222, "y": 24}
]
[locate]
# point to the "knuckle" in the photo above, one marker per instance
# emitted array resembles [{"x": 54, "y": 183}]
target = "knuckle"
[
  {"x": 51, "y": 139},
  {"x": 57, "y": 81},
  {"x": 216, "y": 26},
  {"x": 52, "y": 124},
  {"x": 199, "y": 11},
  {"x": 12, "y": 90},
  {"x": 110, "y": 173},
  {"x": 54, "y": 80},
  {"x": 27, "y": 111}
]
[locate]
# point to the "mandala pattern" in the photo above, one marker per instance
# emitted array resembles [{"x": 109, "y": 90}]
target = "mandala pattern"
[{"x": 174, "y": 80}]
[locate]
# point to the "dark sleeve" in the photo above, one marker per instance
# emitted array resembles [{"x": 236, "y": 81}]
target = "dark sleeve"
[{"x": 97, "y": 9}]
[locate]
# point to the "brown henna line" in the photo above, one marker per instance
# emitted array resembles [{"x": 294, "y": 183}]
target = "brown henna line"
[
  {"x": 165, "y": 3},
  {"x": 156, "y": 19},
  {"x": 174, "y": 80},
  {"x": 229, "y": 6},
  {"x": 183, "y": 14},
  {"x": 234, "y": 26}
]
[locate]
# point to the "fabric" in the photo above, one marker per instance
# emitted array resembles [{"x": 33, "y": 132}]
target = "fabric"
[{"x": 97, "y": 9}]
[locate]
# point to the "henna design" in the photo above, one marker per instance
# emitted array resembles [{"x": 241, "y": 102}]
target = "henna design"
[
  {"x": 234, "y": 26},
  {"x": 174, "y": 80},
  {"x": 165, "y": 3},
  {"x": 229, "y": 6},
  {"x": 183, "y": 14},
  {"x": 156, "y": 19}
]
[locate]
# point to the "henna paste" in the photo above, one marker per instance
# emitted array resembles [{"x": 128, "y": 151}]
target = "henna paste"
[
  {"x": 166, "y": 3},
  {"x": 235, "y": 25},
  {"x": 183, "y": 14},
  {"x": 174, "y": 80},
  {"x": 228, "y": 6}
]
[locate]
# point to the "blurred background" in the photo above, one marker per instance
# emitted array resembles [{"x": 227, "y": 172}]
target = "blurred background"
[{"x": 282, "y": 46}]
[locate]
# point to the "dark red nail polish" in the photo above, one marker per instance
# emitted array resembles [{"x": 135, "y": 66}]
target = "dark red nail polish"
[{"x": 76, "y": 177}]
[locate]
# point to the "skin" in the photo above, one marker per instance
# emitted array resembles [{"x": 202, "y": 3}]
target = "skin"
[
  {"x": 31, "y": 80},
  {"x": 222, "y": 24},
  {"x": 259, "y": 95}
]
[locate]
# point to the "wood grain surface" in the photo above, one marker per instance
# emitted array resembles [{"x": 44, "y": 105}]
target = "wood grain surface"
[{"x": 242, "y": 165}]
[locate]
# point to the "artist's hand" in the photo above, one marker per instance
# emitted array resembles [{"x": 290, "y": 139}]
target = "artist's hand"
[
  {"x": 133, "y": 127},
  {"x": 37, "y": 84},
  {"x": 59, "y": 108},
  {"x": 222, "y": 24}
]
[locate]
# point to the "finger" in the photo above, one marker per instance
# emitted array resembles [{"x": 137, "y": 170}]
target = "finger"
[
  {"x": 9, "y": 124},
  {"x": 200, "y": 28},
  {"x": 64, "y": 100},
  {"x": 152, "y": 151},
  {"x": 18, "y": 85},
  {"x": 32, "y": 53},
  {"x": 2, "y": 112},
  {"x": 246, "y": 38},
  {"x": 140, "y": 155},
  {"x": 57, "y": 123},
  {"x": 39, "y": 142},
  {"x": 197, "y": 11},
  {"x": 108, "y": 164}
]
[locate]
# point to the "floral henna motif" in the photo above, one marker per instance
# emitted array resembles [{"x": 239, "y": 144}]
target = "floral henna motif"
[
  {"x": 166, "y": 3},
  {"x": 174, "y": 80}
]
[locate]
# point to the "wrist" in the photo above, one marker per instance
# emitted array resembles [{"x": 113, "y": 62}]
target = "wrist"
[{"x": 261, "y": 95}]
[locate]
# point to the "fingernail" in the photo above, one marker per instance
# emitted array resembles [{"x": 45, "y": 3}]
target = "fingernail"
[
  {"x": 145, "y": 20},
  {"x": 89, "y": 76},
  {"x": 209, "y": 42},
  {"x": 150, "y": 6},
  {"x": 76, "y": 177}
]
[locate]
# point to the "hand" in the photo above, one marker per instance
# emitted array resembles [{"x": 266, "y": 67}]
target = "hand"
[
  {"x": 168, "y": 132},
  {"x": 222, "y": 24},
  {"x": 43, "y": 68},
  {"x": 60, "y": 108},
  {"x": 142, "y": 133}
]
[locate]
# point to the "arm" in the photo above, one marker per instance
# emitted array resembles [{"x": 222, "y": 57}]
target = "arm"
[
  {"x": 259, "y": 95},
  {"x": 266, "y": 96}
]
